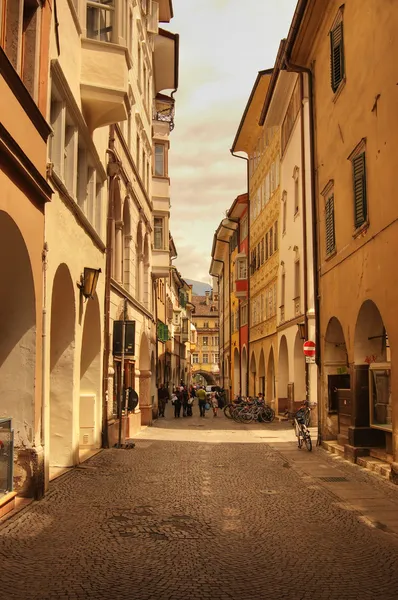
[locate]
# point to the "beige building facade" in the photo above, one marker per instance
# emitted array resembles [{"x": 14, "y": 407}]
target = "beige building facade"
[
  {"x": 24, "y": 195},
  {"x": 357, "y": 233}
]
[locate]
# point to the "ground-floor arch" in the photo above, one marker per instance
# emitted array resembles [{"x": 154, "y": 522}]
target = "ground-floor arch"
[
  {"x": 261, "y": 373},
  {"x": 283, "y": 375},
  {"x": 17, "y": 341},
  {"x": 236, "y": 373},
  {"x": 299, "y": 370},
  {"x": 63, "y": 445},
  {"x": 244, "y": 372},
  {"x": 253, "y": 370},
  {"x": 271, "y": 378},
  {"x": 90, "y": 377}
]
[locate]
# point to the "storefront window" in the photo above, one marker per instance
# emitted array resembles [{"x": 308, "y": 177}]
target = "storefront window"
[
  {"x": 380, "y": 395},
  {"x": 6, "y": 455}
]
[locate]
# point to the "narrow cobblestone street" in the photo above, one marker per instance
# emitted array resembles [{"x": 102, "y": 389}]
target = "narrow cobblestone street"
[{"x": 207, "y": 509}]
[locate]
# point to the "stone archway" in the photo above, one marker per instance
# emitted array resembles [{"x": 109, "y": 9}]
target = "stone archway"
[
  {"x": 271, "y": 378},
  {"x": 18, "y": 346},
  {"x": 299, "y": 370},
  {"x": 261, "y": 373},
  {"x": 236, "y": 380},
  {"x": 253, "y": 369},
  {"x": 90, "y": 378},
  {"x": 244, "y": 372},
  {"x": 283, "y": 375},
  {"x": 63, "y": 417},
  {"x": 372, "y": 375}
]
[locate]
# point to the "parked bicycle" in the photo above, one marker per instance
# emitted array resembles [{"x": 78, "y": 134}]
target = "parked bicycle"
[
  {"x": 248, "y": 410},
  {"x": 301, "y": 420}
]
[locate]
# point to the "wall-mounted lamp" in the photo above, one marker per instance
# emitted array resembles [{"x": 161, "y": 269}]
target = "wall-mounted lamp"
[
  {"x": 88, "y": 282},
  {"x": 302, "y": 330}
]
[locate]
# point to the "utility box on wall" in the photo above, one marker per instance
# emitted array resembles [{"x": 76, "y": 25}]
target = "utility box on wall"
[{"x": 87, "y": 420}]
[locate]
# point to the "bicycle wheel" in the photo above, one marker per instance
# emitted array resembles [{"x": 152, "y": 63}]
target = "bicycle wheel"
[
  {"x": 271, "y": 415},
  {"x": 227, "y": 411},
  {"x": 308, "y": 442}
]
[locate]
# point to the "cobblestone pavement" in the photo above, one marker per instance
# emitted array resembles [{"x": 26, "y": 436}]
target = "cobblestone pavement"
[{"x": 202, "y": 520}]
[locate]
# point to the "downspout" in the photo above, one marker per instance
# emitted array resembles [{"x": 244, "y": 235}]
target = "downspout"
[
  {"x": 112, "y": 168},
  {"x": 304, "y": 221},
  {"x": 248, "y": 271},
  {"x": 42, "y": 484},
  {"x": 315, "y": 241}
]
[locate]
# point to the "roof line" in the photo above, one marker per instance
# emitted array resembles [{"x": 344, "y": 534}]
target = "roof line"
[{"x": 259, "y": 75}]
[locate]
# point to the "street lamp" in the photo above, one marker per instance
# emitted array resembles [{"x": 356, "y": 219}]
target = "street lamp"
[
  {"x": 88, "y": 282},
  {"x": 302, "y": 330}
]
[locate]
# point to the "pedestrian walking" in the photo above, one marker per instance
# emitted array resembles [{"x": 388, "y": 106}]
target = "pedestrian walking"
[
  {"x": 191, "y": 399},
  {"x": 185, "y": 398},
  {"x": 177, "y": 404},
  {"x": 214, "y": 403},
  {"x": 163, "y": 396},
  {"x": 202, "y": 398}
]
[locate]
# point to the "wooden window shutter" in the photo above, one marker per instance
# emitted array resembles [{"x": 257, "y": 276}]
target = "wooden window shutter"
[
  {"x": 330, "y": 233},
  {"x": 336, "y": 56},
  {"x": 360, "y": 203}
]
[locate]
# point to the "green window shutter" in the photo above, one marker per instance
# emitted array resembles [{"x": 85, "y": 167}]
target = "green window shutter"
[
  {"x": 336, "y": 56},
  {"x": 360, "y": 202},
  {"x": 330, "y": 233},
  {"x": 165, "y": 333}
]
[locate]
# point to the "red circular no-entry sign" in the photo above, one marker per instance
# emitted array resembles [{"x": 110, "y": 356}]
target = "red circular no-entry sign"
[{"x": 309, "y": 348}]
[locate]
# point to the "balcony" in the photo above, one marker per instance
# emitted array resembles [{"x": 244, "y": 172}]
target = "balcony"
[
  {"x": 160, "y": 263},
  {"x": 105, "y": 67},
  {"x": 240, "y": 288},
  {"x": 164, "y": 110},
  {"x": 165, "y": 60}
]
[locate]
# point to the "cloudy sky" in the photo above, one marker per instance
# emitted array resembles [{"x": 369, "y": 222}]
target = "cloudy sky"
[{"x": 223, "y": 45}]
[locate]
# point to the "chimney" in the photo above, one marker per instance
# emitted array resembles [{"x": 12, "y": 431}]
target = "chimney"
[{"x": 207, "y": 294}]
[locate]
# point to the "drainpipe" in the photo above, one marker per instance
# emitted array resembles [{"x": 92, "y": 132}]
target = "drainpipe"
[
  {"x": 304, "y": 221},
  {"x": 248, "y": 269},
  {"x": 315, "y": 241},
  {"x": 40, "y": 492},
  {"x": 112, "y": 169}
]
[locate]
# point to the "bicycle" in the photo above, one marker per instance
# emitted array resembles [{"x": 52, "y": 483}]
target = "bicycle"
[{"x": 301, "y": 429}]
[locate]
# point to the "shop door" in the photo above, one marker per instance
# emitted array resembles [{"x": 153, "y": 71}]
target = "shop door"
[{"x": 344, "y": 398}]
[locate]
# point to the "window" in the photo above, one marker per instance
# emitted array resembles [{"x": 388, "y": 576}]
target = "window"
[
  {"x": 100, "y": 16},
  {"x": 139, "y": 54},
  {"x": 337, "y": 67},
  {"x": 205, "y": 359},
  {"x": 296, "y": 190},
  {"x": 359, "y": 182},
  {"x": 258, "y": 256},
  {"x": 284, "y": 209},
  {"x": 130, "y": 32},
  {"x": 206, "y": 325},
  {"x": 160, "y": 170},
  {"x": 243, "y": 228},
  {"x": 297, "y": 286},
  {"x": 290, "y": 117},
  {"x": 158, "y": 225},
  {"x": 266, "y": 247},
  {"x": 19, "y": 30},
  {"x": 243, "y": 315},
  {"x": 137, "y": 153},
  {"x": 283, "y": 292},
  {"x": 276, "y": 236},
  {"x": 205, "y": 340},
  {"x": 143, "y": 164},
  {"x": 241, "y": 268},
  {"x": 262, "y": 251},
  {"x": 215, "y": 341},
  {"x": 195, "y": 359},
  {"x": 216, "y": 358},
  {"x": 329, "y": 225},
  {"x": 271, "y": 243}
]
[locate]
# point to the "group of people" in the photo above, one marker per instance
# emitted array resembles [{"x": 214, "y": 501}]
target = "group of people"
[{"x": 183, "y": 399}]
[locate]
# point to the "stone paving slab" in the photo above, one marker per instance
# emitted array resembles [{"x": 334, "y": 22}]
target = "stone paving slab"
[{"x": 182, "y": 520}]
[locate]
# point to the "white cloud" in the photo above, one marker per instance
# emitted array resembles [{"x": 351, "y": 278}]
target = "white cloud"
[{"x": 223, "y": 45}]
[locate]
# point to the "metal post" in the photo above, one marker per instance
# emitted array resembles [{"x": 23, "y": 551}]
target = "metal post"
[{"x": 120, "y": 395}]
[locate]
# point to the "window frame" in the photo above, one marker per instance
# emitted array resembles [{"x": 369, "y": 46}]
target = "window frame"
[
  {"x": 156, "y": 227},
  {"x": 336, "y": 36},
  {"x": 163, "y": 172}
]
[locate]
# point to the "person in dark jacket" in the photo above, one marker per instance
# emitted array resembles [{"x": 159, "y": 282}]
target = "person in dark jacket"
[
  {"x": 163, "y": 396},
  {"x": 177, "y": 404}
]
